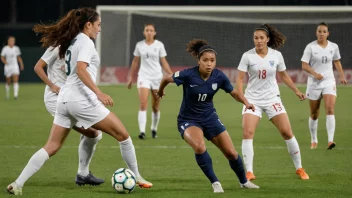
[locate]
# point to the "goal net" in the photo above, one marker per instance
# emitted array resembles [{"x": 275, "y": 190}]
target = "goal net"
[{"x": 228, "y": 29}]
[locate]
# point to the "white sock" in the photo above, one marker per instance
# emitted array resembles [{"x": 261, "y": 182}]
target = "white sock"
[
  {"x": 155, "y": 120},
  {"x": 7, "y": 88},
  {"x": 15, "y": 89},
  {"x": 142, "y": 120},
  {"x": 86, "y": 150},
  {"x": 293, "y": 150},
  {"x": 129, "y": 155},
  {"x": 313, "y": 128},
  {"x": 330, "y": 127},
  {"x": 248, "y": 154},
  {"x": 34, "y": 164}
]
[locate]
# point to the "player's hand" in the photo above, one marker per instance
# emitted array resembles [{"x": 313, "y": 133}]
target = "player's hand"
[
  {"x": 55, "y": 89},
  {"x": 105, "y": 99},
  {"x": 129, "y": 83},
  {"x": 300, "y": 95},
  {"x": 343, "y": 80},
  {"x": 21, "y": 67},
  {"x": 160, "y": 93},
  {"x": 318, "y": 76},
  {"x": 249, "y": 106}
]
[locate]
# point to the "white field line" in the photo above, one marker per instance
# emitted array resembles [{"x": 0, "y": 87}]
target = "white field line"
[{"x": 149, "y": 147}]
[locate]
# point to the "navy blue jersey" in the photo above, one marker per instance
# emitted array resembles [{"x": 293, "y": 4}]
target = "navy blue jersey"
[{"x": 197, "y": 104}]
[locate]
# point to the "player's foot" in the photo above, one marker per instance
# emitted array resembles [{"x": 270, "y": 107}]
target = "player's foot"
[
  {"x": 331, "y": 145},
  {"x": 90, "y": 179},
  {"x": 154, "y": 135},
  {"x": 14, "y": 189},
  {"x": 217, "y": 187},
  {"x": 250, "y": 176},
  {"x": 302, "y": 174},
  {"x": 16, "y": 97},
  {"x": 143, "y": 183},
  {"x": 249, "y": 184},
  {"x": 142, "y": 136},
  {"x": 313, "y": 145}
]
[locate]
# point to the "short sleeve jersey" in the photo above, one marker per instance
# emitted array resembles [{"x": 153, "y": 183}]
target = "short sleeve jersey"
[
  {"x": 150, "y": 55},
  {"x": 321, "y": 61},
  {"x": 11, "y": 54},
  {"x": 262, "y": 86},
  {"x": 197, "y": 103},
  {"x": 81, "y": 49},
  {"x": 55, "y": 70}
]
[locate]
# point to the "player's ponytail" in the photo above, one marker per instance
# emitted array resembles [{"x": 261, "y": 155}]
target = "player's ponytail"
[
  {"x": 66, "y": 29},
  {"x": 277, "y": 39},
  {"x": 197, "y": 47}
]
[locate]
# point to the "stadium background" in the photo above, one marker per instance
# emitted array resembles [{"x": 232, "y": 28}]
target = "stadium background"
[{"x": 17, "y": 18}]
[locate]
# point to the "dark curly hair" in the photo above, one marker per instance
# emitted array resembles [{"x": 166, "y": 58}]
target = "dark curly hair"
[{"x": 277, "y": 39}]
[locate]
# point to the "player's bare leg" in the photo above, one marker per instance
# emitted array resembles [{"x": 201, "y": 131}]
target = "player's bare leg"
[{"x": 282, "y": 123}]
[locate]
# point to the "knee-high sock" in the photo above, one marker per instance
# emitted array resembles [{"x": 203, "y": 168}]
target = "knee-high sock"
[
  {"x": 238, "y": 168},
  {"x": 248, "y": 154},
  {"x": 330, "y": 127},
  {"x": 15, "y": 89},
  {"x": 86, "y": 151},
  {"x": 205, "y": 163},
  {"x": 129, "y": 155},
  {"x": 155, "y": 120},
  {"x": 142, "y": 120},
  {"x": 34, "y": 164},
  {"x": 293, "y": 149},
  {"x": 313, "y": 128}
]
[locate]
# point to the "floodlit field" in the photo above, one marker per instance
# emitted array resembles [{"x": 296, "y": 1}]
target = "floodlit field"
[{"x": 168, "y": 161}]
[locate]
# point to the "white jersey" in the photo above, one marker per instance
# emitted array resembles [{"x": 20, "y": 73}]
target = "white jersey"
[
  {"x": 150, "y": 55},
  {"x": 81, "y": 49},
  {"x": 320, "y": 59},
  {"x": 55, "y": 70},
  {"x": 262, "y": 86},
  {"x": 11, "y": 54}
]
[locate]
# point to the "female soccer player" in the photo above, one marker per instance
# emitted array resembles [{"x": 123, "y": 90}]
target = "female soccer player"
[
  {"x": 11, "y": 56},
  {"x": 198, "y": 118},
  {"x": 55, "y": 79},
  {"x": 262, "y": 63},
  {"x": 148, "y": 53},
  {"x": 318, "y": 59},
  {"x": 80, "y": 100}
]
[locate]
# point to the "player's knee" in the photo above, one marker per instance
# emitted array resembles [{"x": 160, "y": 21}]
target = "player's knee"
[
  {"x": 143, "y": 105},
  {"x": 52, "y": 148},
  {"x": 199, "y": 147},
  {"x": 286, "y": 133},
  {"x": 314, "y": 115},
  {"x": 155, "y": 108},
  {"x": 330, "y": 110},
  {"x": 231, "y": 155},
  {"x": 248, "y": 133}
]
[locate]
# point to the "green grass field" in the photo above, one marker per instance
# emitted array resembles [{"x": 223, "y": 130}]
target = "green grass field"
[{"x": 168, "y": 161}]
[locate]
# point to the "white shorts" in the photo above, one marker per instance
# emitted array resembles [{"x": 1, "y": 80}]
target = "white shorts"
[
  {"x": 150, "y": 84},
  {"x": 314, "y": 93},
  {"x": 51, "y": 108},
  {"x": 87, "y": 113},
  {"x": 271, "y": 109},
  {"x": 11, "y": 70}
]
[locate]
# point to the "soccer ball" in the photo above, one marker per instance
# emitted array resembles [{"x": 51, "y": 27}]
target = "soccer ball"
[{"x": 123, "y": 180}]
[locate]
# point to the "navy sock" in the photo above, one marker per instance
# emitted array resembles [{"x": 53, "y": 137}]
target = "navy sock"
[
  {"x": 205, "y": 163},
  {"x": 237, "y": 166}
]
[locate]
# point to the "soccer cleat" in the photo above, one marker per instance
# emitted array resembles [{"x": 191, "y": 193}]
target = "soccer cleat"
[
  {"x": 14, "y": 189},
  {"x": 313, "y": 145},
  {"x": 217, "y": 187},
  {"x": 302, "y": 174},
  {"x": 249, "y": 184},
  {"x": 250, "y": 176},
  {"x": 90, "y": 179},
  {"x": 331, "y": 145},
  {"x": 143, "y": 183},
  {"x": 154, "y": 135},
  {"x": 142, "y": 136}
]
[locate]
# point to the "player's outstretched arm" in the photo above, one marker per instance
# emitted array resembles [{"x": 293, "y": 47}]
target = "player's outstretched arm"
[
  {"x": 240, "y": 98},
  {"x": 20, "y": 61},
  {"x": 165, "y": 65},
  {"x": 164, "y": 82},
  {"x": 338, "y": 66},
  {"x": 39, "y": 70},
  {"x": 288, "y": 81}
]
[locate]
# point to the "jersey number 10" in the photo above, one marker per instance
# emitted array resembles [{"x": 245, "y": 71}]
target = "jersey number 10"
[{"x": 202, "y": 97}]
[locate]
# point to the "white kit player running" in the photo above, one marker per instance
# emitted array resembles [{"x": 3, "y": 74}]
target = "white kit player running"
[
  {"x": 262, "y": 63},
  {"x": 80, "y": 100},
  {"x": 11, "y": 56},
  {"x": 318, "y": 59},
  {"x": 55, "y": 79},
  {"x": 148, "y": 54}
]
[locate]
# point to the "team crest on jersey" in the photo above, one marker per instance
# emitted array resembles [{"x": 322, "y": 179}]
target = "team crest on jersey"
[
  {"x": 214, "y": 86},
  {"x": 272, "y": 63},
  {"x": 331, "y": 52}
]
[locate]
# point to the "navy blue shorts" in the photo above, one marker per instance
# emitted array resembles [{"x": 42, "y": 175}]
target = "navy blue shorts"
[{"x": 210, "y": 128}]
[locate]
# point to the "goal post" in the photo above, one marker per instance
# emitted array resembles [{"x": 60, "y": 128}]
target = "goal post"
[{"x": 229, "y": 29}]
